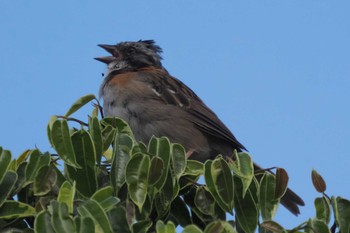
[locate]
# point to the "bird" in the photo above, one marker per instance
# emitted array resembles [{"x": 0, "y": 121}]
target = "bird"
[{"x": 138, "y": 89}]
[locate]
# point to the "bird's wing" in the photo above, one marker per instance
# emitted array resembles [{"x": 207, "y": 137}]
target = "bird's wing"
[{"x": 173, "y": 91}]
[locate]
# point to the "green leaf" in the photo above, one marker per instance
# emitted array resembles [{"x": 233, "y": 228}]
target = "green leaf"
[
  {"x": 194, "y": 168},
  {"x": 141, "y": 226},
  {"x": 84, "y": 225},
  {"x": 165, "y": 228},
  {"x": 66, "y": 195},
  {"x": 15, "y": 209},
  {"x": 86, "y": 178},
  {"x": 341, "y": 208},
  {"x": 160, "y": 147},
  {"x": 318, "y": 226},
  {"x": 211, "y": 187},
  {"x": 6, "y": 185},
  {"x": 96, "y": 135},
  {"x": 219, "y": 226},
  {"x": 267, "y": 200},
  {"x": 223, "y": 182},
  {"x": 178, "y": 160},
  {"x": 5, "y": 160},
  {"x": 245, "y": 207},
  {"x": 62, "y": 143},
  {"x": 121, "y": 156},
  {"x": 192, "y": 229},
  {"x": 272, "y": 226},
  {"x": 43, "y": 223},
  {"x": 93, "y": 210},
  {"x": 105, "y": 198},
  {"x": 137, "y": 172},
  {"x": 244, "y": 168},
  {"x": 204, "y": 201},
  {"x": 60, "y": 218},
  {"x": 121, "y": 126},
  {"x": 156, "y": 170},
  {"x": 45, "y": 180},
  {"x": 49, "y": 128},
  {"x": 180, "y": 212},
  {"x": 36, "y": 161},
  {"x": 107, "y": 137},
  {"x": 79, "y": 103},
  {"x": 117, "y": 219},
  {"x": 323, "y": 211}
]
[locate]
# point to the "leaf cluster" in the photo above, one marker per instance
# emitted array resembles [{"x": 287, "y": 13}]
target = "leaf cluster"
[{"x": 102, "y": 180}]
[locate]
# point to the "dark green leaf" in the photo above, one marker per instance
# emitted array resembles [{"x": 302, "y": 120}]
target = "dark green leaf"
[
  {"x": 192, "y": 229},
  {"x": 267, "y": 200},
  {"x": 272, "y": 226},
  {"x": 318, "y": 226},
  {"x": 341, "y": 208},
  {"x": 6, "y": 185},
  {"x": 323, "y": 211},
  {"x": 79, "y": 103},
  {"x": 5, "y": 160},
  {"x": 245, "y": 207},
  {"x": 15, "y": 209},
  {"x": 141, "y": 226},
  {"x": 60, "y": 218},
  {"x": 86, "y": 178},
  {"x": 178, "y": 160},
  {"x": 45, "y": 180},
  {"x": 137, "y": 172},
  {"x": 121, "y": 156},
  {"x": 84, "y": 225},
  {"x": 62, "y": 143},
  {"x": 243, "y": 167},
  {"x": 43, "y": 223},
  {"x": 93, "y": 210},
  {"x": 204, "y": 201},
  {"x": 105, "y": 198},
  {"x": 36, "y": 161},
  {"x": 117, "y": 218},
  {"x": 156, "y": 170},
  {"x": 211, "y": 187},
  {"x": 107, "y": 137},
  {"x": 96, "y": 135},
  {"x": 219, "y": 227},
  {"x": 180, "y": 212},
  {"x": 223, "y": 181}
]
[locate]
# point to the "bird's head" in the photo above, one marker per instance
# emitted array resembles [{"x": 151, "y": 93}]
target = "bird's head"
[{"x": 131, "y": 56}]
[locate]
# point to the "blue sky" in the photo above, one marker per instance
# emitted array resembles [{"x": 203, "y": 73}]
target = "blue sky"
[{"x": 275, "y": 72}]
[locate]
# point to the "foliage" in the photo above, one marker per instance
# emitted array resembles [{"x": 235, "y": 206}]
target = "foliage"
[{"x": 103, "y": 180}]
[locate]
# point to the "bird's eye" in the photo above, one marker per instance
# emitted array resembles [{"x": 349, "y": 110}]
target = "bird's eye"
[{"x": 131, "y": 50}]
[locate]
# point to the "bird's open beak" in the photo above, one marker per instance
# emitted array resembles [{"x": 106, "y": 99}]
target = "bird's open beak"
[
  {"x": 109, "y": 48},
  {"x": 107, "y": 59}
]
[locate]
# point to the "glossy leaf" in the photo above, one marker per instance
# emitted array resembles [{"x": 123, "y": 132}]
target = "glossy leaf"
[
  {"x": 79, "y": 103},
  {"x": 62, "y": 143},
  {"x": 16, "y": 209},
  {"x": 161, "y": 147},
  {"x": 49, "y": 128},
  {"x": 165, "y": 228},
  {"x": 95, "y": 211},
  {"x": 267, "y": 200},
  {"x": 107, "y": 137},
  {"x": 84, "y": 225},
  {"x": 180, "y": 212},
  {"x": 194, "y": 168},
  {"x": 43, "y": 223},
  {"x": 5, "y": 160},
  {"x": 117, "y": 219},
  {"x": 219, "y": 226},
  {"x": 323, "y": 211},
  {"x": 105, "y": 198},
  {"x": 60, "y": 218},
  {"x": 243, "y": 167},
  {"x": 318, "y": 226},
  {"x": 86, "y": 177},
  {"x": 45, "y": 180},
  {"x": 245, "y": 207},
  {"x": 22, "y": 157},
  {"x": 66, "y": 195},
  {"x": 178, "y": 160},
  {"x": 272, "y": 226},
  {"x": 192, "y": 229},
  {"x": 6, "y": 185},
  {"x": 341, "y": 208},
  {"x": 121, "y": 156},
  {"x": 223, "y": 181},
  {"x": 211, "y": 187},
  {"x": 137, "y": 172},
  {"x": 96, "y": 135},
  {"x": 156, "y": 170},
  {"x": 204, "y": 201},
  {"x": 141, "y": 226},
  {"x": 36, "y": 161}
]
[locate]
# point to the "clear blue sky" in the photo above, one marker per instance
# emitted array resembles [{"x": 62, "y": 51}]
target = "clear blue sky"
[{"x": 276, "y": 72}]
